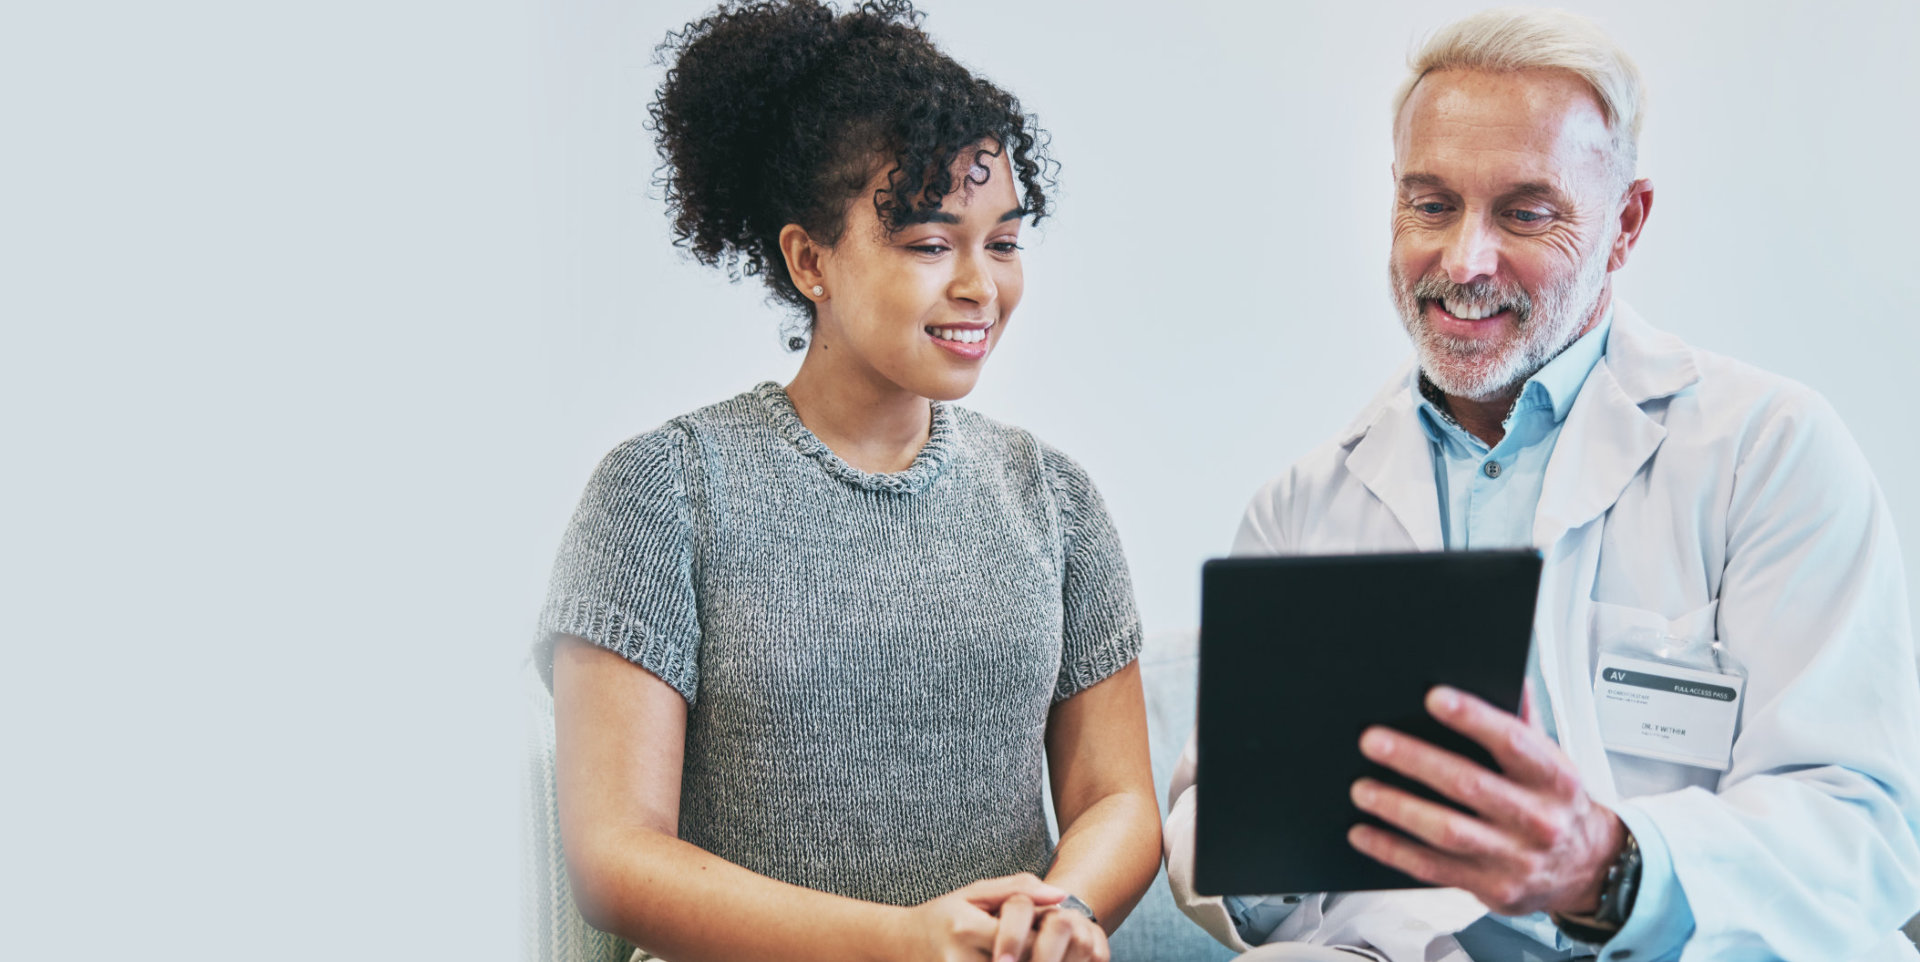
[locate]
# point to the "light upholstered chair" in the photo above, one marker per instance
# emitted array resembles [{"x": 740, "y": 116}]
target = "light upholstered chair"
[
  {"x": 1156, "y": 931},
  {"x": 553, "y": 930}
]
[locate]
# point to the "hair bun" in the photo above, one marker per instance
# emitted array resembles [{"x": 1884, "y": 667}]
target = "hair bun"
[{"x": 773, "y": 113}]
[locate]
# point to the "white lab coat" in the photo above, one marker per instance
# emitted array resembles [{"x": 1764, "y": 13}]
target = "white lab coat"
[{"x": 1693, "y": 493}]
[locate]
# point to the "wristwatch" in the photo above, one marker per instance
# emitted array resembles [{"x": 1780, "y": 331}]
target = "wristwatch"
[
  {"x": 1616, "y": 900},
  {"x": 1074, "y": 903}
]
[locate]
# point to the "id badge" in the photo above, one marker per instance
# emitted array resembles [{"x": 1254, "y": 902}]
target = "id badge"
[{"x": 1665, "y": 711}]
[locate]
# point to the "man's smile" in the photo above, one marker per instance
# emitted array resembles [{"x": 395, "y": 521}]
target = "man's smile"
[{"x": 1467, "y": 319}]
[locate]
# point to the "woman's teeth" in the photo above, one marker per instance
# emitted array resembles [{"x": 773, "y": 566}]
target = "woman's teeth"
[
  {"x": 1468, "y": 310},
  {"x": 963, "y": 335}
]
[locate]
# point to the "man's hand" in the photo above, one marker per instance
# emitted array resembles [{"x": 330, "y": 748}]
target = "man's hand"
[{"x": 1539, "y": 842}]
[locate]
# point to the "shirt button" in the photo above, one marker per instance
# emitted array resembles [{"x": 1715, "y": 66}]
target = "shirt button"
[{"x": 1491, "y": 468}]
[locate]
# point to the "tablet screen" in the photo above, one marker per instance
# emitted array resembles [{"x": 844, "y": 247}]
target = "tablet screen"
[{"x": 1299, "y": 655}]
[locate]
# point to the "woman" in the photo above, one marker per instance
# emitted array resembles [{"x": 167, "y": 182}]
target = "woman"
[{"x": 860, "y": 616}]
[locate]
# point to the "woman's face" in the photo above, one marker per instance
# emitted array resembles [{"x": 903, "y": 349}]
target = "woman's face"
[{"x": 921, "y": 308}]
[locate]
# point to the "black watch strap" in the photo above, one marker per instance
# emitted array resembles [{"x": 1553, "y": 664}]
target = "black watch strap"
[{"x": 1616, "y": 899}]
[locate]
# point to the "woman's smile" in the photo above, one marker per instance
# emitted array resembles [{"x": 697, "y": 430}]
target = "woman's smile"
[{"x": 966, "y": 340}]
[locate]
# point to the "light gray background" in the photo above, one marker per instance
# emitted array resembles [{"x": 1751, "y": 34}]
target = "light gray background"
[
  {"x": 316, "y": 320},
  {"x": 1210, "y": 302}
]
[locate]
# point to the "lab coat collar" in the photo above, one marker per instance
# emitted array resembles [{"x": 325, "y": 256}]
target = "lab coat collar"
[
  {"x": 1612, "y": 437},
  {"x": 1390, "y": 453},
  {"x": 1647, "y": 362},
  {"x": 1608, "y": 436}
]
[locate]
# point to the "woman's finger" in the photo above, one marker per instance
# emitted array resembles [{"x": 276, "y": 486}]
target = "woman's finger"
[
  {"x": 988, "y": 893},
  {"x": 1056, "y": 936},
  {"x": 1089, "y": 942},
  {"x": 1016, "y": 928}
]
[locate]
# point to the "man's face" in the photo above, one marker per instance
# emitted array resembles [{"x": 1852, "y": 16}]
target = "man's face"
[{"x": 1506, "y": 215}]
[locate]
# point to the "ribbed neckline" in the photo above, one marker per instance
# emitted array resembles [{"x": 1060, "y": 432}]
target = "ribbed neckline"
[{"x": 927, "y": 466}]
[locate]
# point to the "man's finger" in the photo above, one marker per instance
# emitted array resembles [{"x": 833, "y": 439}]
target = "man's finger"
[
  {"x": 988, "y": 893},
  {"x": 1489, "y": 793},
  {"x": 1414, "y": 859},
  {"x": 1525, "y": 755},
  {"x": 1016, "y": 928},
  {"x": 1504, "y": 897},
  {"x": 1437, "y": 825}
]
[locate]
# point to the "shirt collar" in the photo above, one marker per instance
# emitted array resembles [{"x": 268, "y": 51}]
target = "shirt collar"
[
  {"x": 1563, "y": 376},
  {"x": 1553, "y": 388}
]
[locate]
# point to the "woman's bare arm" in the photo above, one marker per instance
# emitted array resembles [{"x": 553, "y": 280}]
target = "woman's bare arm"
[
  {"x": 1103, "y": 794},
  {"x": 620, "y": 737}
]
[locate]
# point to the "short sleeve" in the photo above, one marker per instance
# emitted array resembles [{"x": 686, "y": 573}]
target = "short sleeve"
[
  {"x": 624, "y": 576},
  {"x": 1101, "y": 630}
]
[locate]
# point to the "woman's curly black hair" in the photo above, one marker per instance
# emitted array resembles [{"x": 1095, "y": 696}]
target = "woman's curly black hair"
[{"x": 775, "y": 112}]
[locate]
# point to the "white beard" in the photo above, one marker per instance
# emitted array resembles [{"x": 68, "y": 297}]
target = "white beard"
[{"x": 1544, "y": 325}]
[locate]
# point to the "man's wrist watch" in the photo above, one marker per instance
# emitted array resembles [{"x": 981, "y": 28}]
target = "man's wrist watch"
[
  {"x": 1073, "y": 903},
  {"x": 1617, "y": 892}
]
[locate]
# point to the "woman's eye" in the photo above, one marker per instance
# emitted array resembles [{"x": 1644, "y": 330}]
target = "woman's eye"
[
  {"x": 1005, "y": 247},
  {"x": 927, "y": 248}
]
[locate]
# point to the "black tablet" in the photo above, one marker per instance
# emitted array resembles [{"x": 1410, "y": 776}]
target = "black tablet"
[{"x": 1298, "y": 655}]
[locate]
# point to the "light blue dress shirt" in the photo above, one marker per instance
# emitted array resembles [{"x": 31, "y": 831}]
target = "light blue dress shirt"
[{"x": 1488, "y": 498}]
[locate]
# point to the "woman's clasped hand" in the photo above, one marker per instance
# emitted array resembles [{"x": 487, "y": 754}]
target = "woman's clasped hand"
[{"x": 1014, "y": 918}]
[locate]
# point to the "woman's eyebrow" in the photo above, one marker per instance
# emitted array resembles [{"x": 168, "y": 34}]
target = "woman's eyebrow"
[{"x": 943, "y": 217}]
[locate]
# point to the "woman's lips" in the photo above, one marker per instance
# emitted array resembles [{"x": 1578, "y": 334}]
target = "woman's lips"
[{"x": 972, "y": 351}]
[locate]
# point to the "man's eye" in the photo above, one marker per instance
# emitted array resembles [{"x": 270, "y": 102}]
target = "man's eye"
[
  {"x": 1431, "y": 207},
  {"x": 1528, "y": 216}
]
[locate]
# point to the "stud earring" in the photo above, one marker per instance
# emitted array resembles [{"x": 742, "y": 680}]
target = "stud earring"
[{"x": 818, "y": 290}]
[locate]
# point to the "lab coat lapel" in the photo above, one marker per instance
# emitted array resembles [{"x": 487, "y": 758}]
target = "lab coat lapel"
[
  {"x": 1607, "y": 437},
  {"x": 1605, "y": 442},
  {"x": 1393, "y": 459}
]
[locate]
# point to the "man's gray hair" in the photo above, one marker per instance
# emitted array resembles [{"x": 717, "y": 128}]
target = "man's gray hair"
[{"x": 1533, "y": 38}]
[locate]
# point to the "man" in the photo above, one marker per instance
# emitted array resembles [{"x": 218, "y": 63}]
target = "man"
[{"x": 1699, "y": 519}]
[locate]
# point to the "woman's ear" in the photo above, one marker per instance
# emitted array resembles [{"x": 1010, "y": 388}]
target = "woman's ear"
[{"x": 803, "y": 257}]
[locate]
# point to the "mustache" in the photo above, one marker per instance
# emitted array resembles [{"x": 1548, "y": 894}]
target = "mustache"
[{"x": 1487, "y": 295}]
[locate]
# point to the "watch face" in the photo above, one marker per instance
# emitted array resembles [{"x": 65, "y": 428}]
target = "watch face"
[
  {"x": 1073, "y": 903},
  {"x": 1623, "y": 883}
]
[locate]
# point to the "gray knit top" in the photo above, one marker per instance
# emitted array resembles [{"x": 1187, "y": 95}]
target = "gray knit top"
[{"x": 868, "y": 659}]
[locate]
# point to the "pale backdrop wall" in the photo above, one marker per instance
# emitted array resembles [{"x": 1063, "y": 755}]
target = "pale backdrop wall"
[
  {"x": 317, "y": 318},
  {"x": 1210, "y": 301}
]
